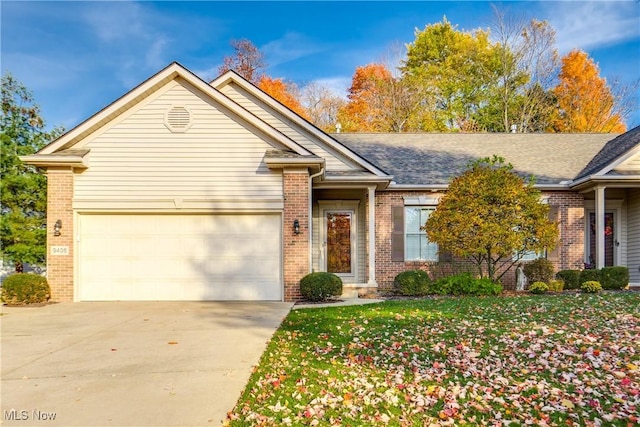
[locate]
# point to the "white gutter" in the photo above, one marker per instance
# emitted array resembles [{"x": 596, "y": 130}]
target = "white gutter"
[
  {"x": 603, "y": 178},
  {"x": 394, "y": 186},
  {"x": 311, "y": 217}
]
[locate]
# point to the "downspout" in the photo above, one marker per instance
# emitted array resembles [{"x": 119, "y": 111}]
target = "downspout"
[{"x": 311, "y": 217}]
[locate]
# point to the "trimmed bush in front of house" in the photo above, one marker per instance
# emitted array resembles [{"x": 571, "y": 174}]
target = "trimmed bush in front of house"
[
  {"x": 412, "y": 283},
  {"x": 614, "y": 277},
  {"x": 465, "y": 284},
  {"x": 556, "y": 285},
  {"x": 538, "y": 288},
  {"x": 539, "y": 270},
  {"x": 25, "y": 288},
  {"x": 571, "y": 278},
  {"x": 589, "y": 275},
  {"x": 591, "y": 287},
  {"x": 320, "y": 286}
]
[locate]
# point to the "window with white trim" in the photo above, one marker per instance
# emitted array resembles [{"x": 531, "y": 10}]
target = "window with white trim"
[
  {"x": 529, "y": 255},
  {"x": 417, "y": 246}
]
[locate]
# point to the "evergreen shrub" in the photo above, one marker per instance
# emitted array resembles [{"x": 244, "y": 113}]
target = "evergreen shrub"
[
  {"x": 412, "y": 283},
  {"x": 320, "y": 286},
  {"x": 538, "y": 288},
  {"x": 591, "y": 287},
  {"x": 25, "y": 288},
  {"x": 614, "y": 277},
  {"x": 539, "y": 270},
  {"x": 571, "y": 278}
]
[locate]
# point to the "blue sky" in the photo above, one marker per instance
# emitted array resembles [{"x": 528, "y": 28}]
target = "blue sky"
[{"x": 78, "y": 57}]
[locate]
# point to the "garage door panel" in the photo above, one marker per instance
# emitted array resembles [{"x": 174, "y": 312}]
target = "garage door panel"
[{"x": 180, "y": 257}]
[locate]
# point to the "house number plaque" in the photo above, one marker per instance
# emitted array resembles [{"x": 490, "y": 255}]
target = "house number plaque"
[{"x": 59, "y": 250}]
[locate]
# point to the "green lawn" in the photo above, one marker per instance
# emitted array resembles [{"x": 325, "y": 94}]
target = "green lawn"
[{"x": 530, "y": 360}]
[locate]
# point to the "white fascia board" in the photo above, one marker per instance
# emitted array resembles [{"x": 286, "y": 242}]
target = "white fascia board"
[
  {"x": 316, "y": 164},
  {"x": 43, "y": 160},
  {"x": 171, "y": 72},
  {"x": 624, "y": 180},
  {"x": 231, "y": 76},
  {"x": 619, "y": 160},
  {"x": 372, "y": 178}
]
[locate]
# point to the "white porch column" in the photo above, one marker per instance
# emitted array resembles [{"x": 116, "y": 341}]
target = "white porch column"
[
  {"x": 600, "y": 207},
  {"x": 372, "y": 235}
]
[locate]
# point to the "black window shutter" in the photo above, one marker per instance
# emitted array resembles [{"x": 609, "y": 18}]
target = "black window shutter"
[{"x": 397, "y": 233}]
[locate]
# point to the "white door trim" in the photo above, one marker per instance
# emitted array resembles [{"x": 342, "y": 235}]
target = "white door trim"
[
  {"x": 340, "y": 206},
  {"x": 616, "y": 234}
]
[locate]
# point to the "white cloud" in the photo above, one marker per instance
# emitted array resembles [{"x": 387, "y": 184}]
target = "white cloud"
[
  {"x": 117, "y": 21},
  {"x": 131, "y": 36},
  {"x": 288, "y": 48},
  {"x": 589, "y": 25}
]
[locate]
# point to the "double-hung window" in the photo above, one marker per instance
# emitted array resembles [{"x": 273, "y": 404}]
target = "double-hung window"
[{"x": 417, "y": 246}]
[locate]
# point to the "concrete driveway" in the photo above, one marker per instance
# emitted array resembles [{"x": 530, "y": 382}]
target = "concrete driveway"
[{"x": 130, "y": 363}]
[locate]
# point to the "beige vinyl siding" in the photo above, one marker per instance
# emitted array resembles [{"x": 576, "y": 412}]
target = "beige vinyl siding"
[
  {"x": 633, "y": 236},
  {"x": 631, "y": 164},
  {"x": 216, "y": 162},
  {"x": 334, "y": 161}
]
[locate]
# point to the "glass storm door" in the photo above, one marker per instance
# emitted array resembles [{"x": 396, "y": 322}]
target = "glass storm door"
[
  {"x": 339, "y": 244},
  {"x": 609, "y": 239}
]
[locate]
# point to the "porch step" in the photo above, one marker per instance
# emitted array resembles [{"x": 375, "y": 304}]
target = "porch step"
[{"x": 348, "y": 292}]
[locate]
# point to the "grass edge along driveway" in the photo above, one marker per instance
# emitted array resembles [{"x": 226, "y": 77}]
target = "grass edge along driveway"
[{"x": 529, "y": 360}]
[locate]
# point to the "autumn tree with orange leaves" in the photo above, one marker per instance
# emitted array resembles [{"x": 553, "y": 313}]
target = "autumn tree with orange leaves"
[
  {"x": 585, "y": 101},
  {"x": 284, "y": 92},
  {"x": 379, "y": 102},
  {"x": 362, "y": 113}
]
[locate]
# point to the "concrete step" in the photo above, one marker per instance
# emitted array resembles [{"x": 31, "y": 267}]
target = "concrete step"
[{"x": 349, "y": 292}]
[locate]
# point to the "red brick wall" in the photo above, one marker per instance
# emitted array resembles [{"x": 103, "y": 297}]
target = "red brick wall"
[
  {"x": 571, "y": 253},
  {"x": 59, "y": 207},
  {"x": 296, "y": 246},
  {"x": 571, "y": 218}
]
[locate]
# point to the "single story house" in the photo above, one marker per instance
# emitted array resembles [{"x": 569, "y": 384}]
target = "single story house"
[{"x": 188, "y": 190}]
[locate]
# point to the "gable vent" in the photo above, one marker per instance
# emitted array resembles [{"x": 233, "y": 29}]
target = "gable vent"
[{"x": 178, "y": 119}]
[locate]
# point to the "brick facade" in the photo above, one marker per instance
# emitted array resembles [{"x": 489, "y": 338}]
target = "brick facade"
[
  {"x": 571, "y": 222},
  {"x": 59, "y": 207},
  {"x": 296, "y": 246},
  {"x": 571, "y": 241}
]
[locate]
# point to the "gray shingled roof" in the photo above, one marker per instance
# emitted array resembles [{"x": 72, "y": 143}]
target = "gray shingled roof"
[
  {"x": 611, "y": 151},
  {"x": 435, "y": 158}
]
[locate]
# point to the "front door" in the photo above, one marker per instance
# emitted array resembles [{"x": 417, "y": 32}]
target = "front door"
[
  {"x": 340, "y": 243},
  {"x": 609, "y": 239}
]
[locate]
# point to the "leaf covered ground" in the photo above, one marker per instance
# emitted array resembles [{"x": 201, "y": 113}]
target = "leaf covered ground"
[{"x": 499, "y": 361}]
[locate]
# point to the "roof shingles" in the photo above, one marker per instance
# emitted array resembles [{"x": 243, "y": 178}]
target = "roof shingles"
[
  {"x": 436, "y": 158},
  {"x": 611, "y": 151}
]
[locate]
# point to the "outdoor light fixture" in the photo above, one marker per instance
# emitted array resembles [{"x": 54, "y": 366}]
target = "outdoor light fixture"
[
  {"x": 296, "y": 226},
  {"x": 56, "y": 228}
]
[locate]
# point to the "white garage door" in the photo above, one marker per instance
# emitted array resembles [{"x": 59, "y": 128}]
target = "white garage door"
[{"x": 179, "y": 257}]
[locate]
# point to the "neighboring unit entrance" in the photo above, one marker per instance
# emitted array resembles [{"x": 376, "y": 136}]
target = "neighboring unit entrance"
[
  {"x": 609, "y": 239},
  {"x": 179, "y": 257}
]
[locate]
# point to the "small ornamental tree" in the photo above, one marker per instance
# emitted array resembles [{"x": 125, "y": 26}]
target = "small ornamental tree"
[{"x": 491, "y": 216}]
